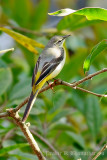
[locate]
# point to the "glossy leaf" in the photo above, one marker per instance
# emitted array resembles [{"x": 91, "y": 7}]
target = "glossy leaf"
[
  {"x": 90, "y": 13},
  {"x": 74, "y": 22},
  {"x": 75, "y": 19},
  {"x": 5, "y": 79},
  {"x": 95, "y": 51},
  {"x": 23, "y": 40}
]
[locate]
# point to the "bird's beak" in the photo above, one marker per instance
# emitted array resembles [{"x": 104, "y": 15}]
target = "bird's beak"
[{"x": 64, "y": 37}]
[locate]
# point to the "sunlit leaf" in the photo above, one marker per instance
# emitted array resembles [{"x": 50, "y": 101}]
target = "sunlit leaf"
[
  {"x": 5, "y": 79},
  {"x": 90, "y": 13},
  {"x": 7, "y": 50},
  {"x": 75, "y": 19},
  {"x": 74, "y": 22},
  {"x": 95, "y": 51},
  {"x": 23, "y": 40}
]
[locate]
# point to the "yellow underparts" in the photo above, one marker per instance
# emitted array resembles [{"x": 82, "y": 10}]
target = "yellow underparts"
[{"x": 40, "y": 85}]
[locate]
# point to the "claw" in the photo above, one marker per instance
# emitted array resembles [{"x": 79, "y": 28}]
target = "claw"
[{"x": 50, "y": 85}]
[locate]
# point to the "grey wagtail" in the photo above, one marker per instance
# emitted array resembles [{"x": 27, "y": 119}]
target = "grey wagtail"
[{"x": 48, "y": 66}]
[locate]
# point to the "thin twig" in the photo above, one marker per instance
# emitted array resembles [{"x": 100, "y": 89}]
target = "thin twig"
[
  {"x": 27, "y": 133},
  {"x": 97, "y": 148},
  {"x": 47, "y": 143},
  {"x": 7, "y": 50},
  {"x": 8, "y": 135},
  {"x": 98, "y": 154},
  {"x": 40, "y": 33},
  {"x": 87, "y": 91},
  {"x": 90, "y": 76}
]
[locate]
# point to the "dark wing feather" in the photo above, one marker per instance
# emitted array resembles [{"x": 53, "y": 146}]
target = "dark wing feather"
[
  {"x": 35, "y": 70},
  {"x": 48, "y": 68}
]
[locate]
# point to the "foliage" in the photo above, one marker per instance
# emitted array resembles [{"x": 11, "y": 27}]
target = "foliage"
[
  {"x": 95, "y": 51},
  {"x": 71, "y": 120}
]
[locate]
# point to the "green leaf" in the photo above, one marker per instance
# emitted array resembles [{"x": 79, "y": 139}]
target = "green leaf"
[
  {"x": 61, "y": 114},
  {"x": 93, "y": 114},
  {"x": 5, "y": 150},
  {"x": 5, "y": 79},
  {"x": 23, "y": 40},
  {"x": 77, "y": 138},
  {"x": 78, "y": 99},
  {"x": 95, "y": 51},
  {"x": 25, "y": 8},
  {"x": 61, "y": 126},
  {"x": 3, "y": 64},
  {"x": 74, "y": 22},
  {"x": 90, "y": 13},
  {"x": 40, "y": 14},
  {"x": 24, "y": 155},
  {"x": 75, "y": 19},
  {"x": 21, "y": 89},
  {"x": 59, "y": 99}
]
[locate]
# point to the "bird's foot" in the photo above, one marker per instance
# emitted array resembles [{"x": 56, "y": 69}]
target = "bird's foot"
[
  {"x": 50, "y": 85},
  {"x": 55, "y": 80}
]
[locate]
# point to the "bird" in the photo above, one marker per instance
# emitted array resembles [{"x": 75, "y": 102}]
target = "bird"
[{"x": 48, "y": 66}]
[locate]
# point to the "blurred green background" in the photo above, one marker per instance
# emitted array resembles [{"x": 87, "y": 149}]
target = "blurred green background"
[{"x": 72, "y": 121}]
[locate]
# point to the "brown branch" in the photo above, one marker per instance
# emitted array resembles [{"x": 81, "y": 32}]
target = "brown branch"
[
  {"x": 60, "y": 82},
  {"x": 90, "y": 76},
  {"x": 87, "y": 91},
  {"x": 47, "y": 143},
  {"x": 4, "y": 114},
  {"x": 96, "y": 148},
  {"x": 14, "y": 113},
  {"x": 40, "y": 33},
  {"x": 27, "y": 133},
  {"x": 98, "y": 154}
]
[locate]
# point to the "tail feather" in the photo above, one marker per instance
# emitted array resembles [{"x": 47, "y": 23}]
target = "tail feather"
[{"x": 29, "y": 105}]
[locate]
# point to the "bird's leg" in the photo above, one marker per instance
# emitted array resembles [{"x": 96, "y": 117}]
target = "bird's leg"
[
  {"x": 55, "y": 80},
  {"x": 50, "y": 85}
]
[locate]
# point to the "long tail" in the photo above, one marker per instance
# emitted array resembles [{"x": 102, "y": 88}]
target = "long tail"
[{"x": 29, "y": 105}]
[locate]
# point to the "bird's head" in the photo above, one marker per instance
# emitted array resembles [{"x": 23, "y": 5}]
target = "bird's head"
[{"x": 57, "y": 41}]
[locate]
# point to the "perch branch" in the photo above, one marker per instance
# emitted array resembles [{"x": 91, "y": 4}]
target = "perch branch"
[
  {"x": 13, "y": 112},
  {"x": 60, "y": 82}
]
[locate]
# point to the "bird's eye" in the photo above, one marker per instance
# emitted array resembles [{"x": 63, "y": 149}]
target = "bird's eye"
[{"x": 59, "y": 41}]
